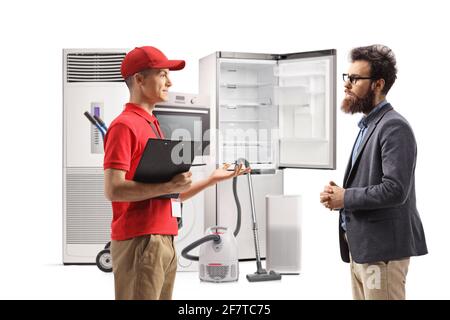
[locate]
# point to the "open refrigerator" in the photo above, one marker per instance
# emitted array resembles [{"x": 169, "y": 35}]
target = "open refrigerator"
[{"x": 275, "y": 110}]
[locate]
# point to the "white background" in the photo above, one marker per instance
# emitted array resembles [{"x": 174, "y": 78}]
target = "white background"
[{"x": 33, "y": 34}]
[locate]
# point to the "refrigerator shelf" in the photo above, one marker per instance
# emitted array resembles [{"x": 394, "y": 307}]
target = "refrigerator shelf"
[
  {"x": 301, "y": 75},
  {"x": 294, "y": 105},
  {"x": 245, "y": 143},
  {"x": 242, "y": 121},
  {"x": 303, "y": 140},
  {"x": 310, "y": 92},
  {"x": 245, "y": 105},
  {"x": 245, "y": 85}
]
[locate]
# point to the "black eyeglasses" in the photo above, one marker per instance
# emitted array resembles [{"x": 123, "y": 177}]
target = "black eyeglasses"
[{"x": 354, "y": 79}]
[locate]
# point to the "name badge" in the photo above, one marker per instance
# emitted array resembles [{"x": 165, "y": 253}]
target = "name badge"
[{"x": 176, "y": 208}]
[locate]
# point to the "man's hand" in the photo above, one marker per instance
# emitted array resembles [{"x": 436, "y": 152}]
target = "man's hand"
[
  {"x": 215, "y": 177},
  {"x": 180, "y": 183},
  {"x": 221, "y": 174},
  {"x": 332, "y": 196}
]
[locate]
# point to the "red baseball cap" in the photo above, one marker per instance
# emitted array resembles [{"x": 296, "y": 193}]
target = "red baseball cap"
[{"x": 147, "y": 57}]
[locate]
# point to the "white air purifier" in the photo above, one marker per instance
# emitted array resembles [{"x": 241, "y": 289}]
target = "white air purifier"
[{"x": 283, "y": 233}]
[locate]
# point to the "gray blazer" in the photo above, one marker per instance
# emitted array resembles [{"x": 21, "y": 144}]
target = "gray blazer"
[{"x": 380, "y": 199}]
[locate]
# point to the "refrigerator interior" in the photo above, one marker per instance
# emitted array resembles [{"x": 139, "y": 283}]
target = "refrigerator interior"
[
  {"x": 247, "y": 115},
  {"x": 275, "y": 113}
]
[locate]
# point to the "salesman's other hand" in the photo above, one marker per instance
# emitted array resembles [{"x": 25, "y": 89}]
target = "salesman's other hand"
[{"x": 221, "y": 174}]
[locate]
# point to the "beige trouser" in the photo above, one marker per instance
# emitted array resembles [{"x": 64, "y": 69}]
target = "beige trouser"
[
  {"x": 382, "y": 280},
  {"x": 144, "y": 267}
]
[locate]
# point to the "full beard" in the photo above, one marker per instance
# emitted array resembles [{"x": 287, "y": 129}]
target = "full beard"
[{"x": 353, "y": 104}]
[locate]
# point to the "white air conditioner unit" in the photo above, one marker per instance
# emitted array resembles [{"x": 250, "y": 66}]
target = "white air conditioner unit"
[{"x": 91, "y": 82}]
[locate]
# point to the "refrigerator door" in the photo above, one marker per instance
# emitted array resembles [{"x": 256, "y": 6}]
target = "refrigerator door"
[{"x": 306, "y": 99}]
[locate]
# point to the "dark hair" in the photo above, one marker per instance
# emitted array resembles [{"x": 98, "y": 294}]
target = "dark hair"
[
  {"x": 129, "y": 80},
  {"x": 382, "y": 63}
]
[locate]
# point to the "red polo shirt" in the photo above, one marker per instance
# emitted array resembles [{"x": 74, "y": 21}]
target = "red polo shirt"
[{"x": 124, "y": 144}]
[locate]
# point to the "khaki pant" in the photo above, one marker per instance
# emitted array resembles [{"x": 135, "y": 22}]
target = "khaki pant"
[
  {"x": 144, "y": 267},
  {"x": 382, "y": 280}
]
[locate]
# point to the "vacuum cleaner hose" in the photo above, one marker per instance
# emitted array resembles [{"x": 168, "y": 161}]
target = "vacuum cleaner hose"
[
  {"x": 195, "y": 244},
  {"x": 238, "y": 207},
  {"x": 215, "y": 237},
  {"x": 236, "y": 197}
]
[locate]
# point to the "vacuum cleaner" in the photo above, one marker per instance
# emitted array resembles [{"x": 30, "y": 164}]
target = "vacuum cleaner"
[
  {"x": 261, "y": 274},
  {"x": 218, "y": 257}
]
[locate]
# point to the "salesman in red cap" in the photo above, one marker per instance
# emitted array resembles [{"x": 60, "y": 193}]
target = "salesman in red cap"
[{"x": 143, "y": 226}]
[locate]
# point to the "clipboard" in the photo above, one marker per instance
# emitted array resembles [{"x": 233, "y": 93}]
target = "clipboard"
[{"x": 163, "y": 159}]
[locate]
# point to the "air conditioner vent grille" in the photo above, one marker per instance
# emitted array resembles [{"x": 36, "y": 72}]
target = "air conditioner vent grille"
[
  {"x": 88, "y": 213},
  {"x": 94, "y": 67}
]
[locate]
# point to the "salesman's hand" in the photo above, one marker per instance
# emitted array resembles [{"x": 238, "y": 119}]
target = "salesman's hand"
[
  {"x": 180, "y": 183},
  {"x": 221, "y": 174},
  {"x": 332, "y": 196}
]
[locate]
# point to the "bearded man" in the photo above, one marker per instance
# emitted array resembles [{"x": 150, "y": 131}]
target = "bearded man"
[{"x": 379, "y": 225}]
